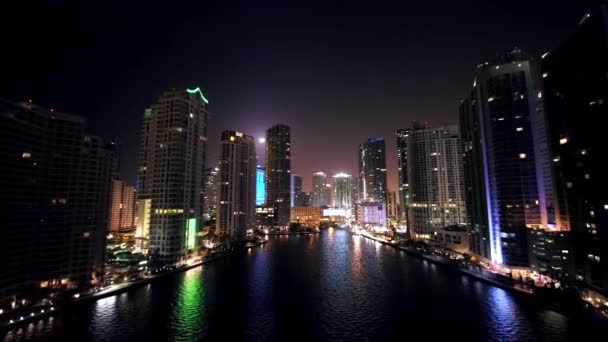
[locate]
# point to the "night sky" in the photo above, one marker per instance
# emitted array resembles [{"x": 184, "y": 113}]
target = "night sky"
[{"x": 337, "y": 72}]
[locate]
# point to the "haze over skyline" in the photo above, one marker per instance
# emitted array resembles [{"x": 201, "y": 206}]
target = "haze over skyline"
[{"x": 336, "y": 73}]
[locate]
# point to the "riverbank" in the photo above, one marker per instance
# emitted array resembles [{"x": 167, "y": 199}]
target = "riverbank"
[
  {"x": 113, "y": 290},
  {"x": 555, "y": 301},
  {"x": 446, "y": 262},
  {"x": 291, "y": 233}
]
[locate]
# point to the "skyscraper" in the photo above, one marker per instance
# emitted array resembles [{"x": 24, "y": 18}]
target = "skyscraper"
[
  {"x": 436, "y": 184},
  {"x": 372, "y": 171},
  {"x": 391, "y": 205},
  {"x": 115, "y": 147},
  {"x": 278, "y": 169},
  {"x": 297, "y": 195},
  {"x": 260, "y": 185},
  {"x": 576, "y": 99},
  {"x": 403, "y": 184},
  {"x": 211, "y": 192},
  {"x": 122, "y": 207},
  {"x": 172, "y": 162},
  {"x": 343, "y": 191},
  {"x": 329, "y": 195},
  {"x": 237, "y": 185},
  {"x": 56, "y": 182},
  {"x": 502, "y": 194},
  {"x": 319, "y": 189}
]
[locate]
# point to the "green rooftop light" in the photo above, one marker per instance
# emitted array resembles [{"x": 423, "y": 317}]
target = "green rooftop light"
[{"x": 198, "y": 90}]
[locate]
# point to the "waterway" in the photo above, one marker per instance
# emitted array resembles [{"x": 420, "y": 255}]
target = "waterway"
[{"x": 333, "y": 286}]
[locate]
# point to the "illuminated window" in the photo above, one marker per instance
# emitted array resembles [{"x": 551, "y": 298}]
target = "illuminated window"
[
  {"x": 26, "y": 155},
  {"x": 563, "y": 141},
  {"x": 522, "y": 156},
  {"x": 519, "y": 129},
  {"x": 545, "y": 75},
  {"x": 231, "y": 138}
]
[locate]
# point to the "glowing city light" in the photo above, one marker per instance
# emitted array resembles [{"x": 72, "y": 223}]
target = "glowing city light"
[{"x": 198, "y": 90}]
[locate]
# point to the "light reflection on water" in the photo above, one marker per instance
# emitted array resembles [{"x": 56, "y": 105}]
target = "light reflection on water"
[
  {"x": 330, "y": 286},
  {"x": 188, "y": 313}
]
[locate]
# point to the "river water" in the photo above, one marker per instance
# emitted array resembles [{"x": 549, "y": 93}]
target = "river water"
[{"x": 333, "y": 286}]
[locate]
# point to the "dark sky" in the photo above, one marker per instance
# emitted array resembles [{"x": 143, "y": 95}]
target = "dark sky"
[{"x": 337, "y": 72}]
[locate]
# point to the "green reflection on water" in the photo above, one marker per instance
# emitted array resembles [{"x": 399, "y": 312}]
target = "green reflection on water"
[{"x": 189, "y": 312}]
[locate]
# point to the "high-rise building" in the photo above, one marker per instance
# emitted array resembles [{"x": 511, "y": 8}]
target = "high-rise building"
[
  {"x": 172, "y": 162},
  {"x": 115, "y": 147},
  {"x": 319, "y": 189},
  {"x": 391, "y": 205},
  {"x": 343, "y": 191},
  {"x": 296, "y": 191},
  {"x": 211, "y": 193},
  {"x": 329, "y": 195},
  {"x": 237, "y": 165},
  {"x": 304, "y": 199},
  {"x": 260, "y": 185},
  {"x": 576, "y": 98},
  {"x": 499, "y": 121},
  {"x": 355, "y": 191},
  {"x": 56, "y": 183},
  {"x": 372, "y": 171},
  {"x": 122, "y": 207},
  {"x": 278, "y": 169},
  {"x": 436, "y": 185},
  {"x": 403, "y": 184}
]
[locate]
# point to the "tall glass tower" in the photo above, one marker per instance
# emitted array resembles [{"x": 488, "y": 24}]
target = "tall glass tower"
[
  {"x": 343, "y": 191},
  {"x": 237, "y": 185},
  {"x": 576, "y": 101},
  {"x": 172, "y": 161},
  {"x": 497, "y": 131},
  {"x": 403, "y": 183},
  {"x": 278, "y": 169},
  {"x": 372, "y": 171},
  {"x": 319, "y": 189}
]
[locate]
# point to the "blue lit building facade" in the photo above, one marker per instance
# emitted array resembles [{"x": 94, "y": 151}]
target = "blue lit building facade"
[{"x": 260, "y": 186}]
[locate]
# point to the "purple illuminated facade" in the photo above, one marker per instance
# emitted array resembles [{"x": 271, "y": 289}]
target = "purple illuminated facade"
[{"x": 501, "y": 127}]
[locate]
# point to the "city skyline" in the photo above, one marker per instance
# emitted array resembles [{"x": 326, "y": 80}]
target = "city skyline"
[
  {"x": 348, "y": 191},
  {"x": 398, "y": 84}
]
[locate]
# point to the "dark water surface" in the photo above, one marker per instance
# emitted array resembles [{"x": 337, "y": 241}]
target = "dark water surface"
[{"x": 332, "y": 286}]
